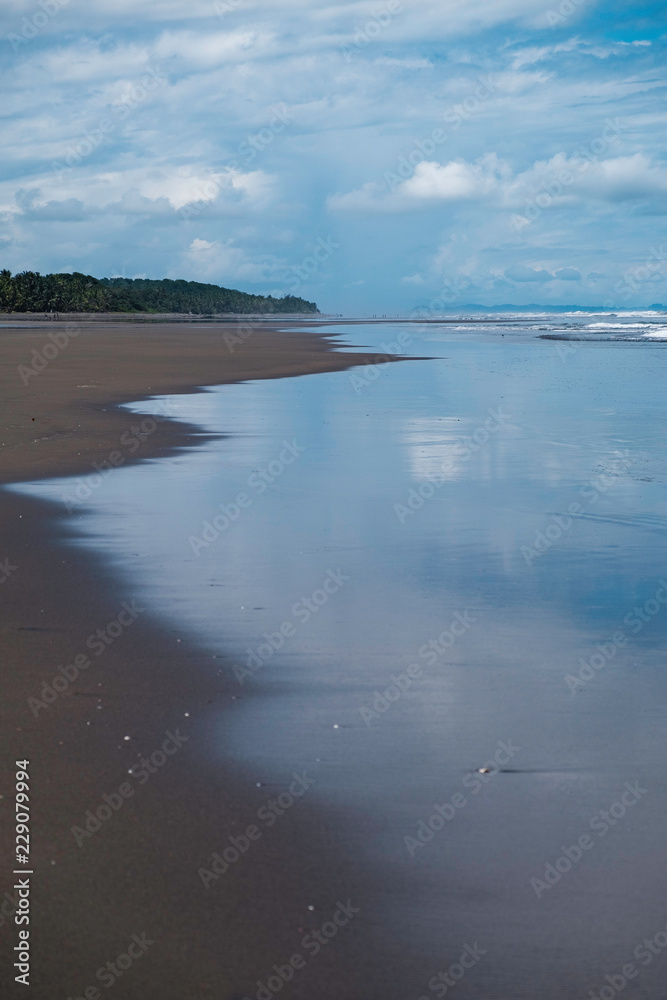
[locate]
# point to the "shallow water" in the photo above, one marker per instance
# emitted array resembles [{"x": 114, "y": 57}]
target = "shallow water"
[{"x": 508, "y": 497}]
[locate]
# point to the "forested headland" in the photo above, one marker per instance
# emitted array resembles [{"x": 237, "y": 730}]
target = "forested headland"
[{"x": 31, "y": 291}]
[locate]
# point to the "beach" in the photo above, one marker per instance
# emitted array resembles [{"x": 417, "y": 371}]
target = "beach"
[
  {"x": 89, "y": 897},
  {"x": 316, "y": 674}
]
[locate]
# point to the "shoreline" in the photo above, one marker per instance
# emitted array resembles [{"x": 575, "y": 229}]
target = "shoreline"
[
  {"x": 138, "y": 871},
  {"x": 66, "y": 416}
]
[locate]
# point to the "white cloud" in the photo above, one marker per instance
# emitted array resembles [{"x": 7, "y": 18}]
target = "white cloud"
[
  {"x": 404, "y": 63},
  {"x": 226, "y": 264},
  {"x": 154, "y": 191},
  {"x": 423, "y": 18},
  {"x": 198, "y": 245},
  {"x": 519, "y": 272},
  {"x": 431, "y": 182},
  {"x": 213, "y": 48},
  {"x": 452, "y": 180},
  {"x": 534, "y": 54},
  {"x": 558, "y": 181},
  {"x": 625, "y": 178}
]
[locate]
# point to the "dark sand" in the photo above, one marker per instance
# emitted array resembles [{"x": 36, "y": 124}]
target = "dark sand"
[{"x": 139, "y": 873}]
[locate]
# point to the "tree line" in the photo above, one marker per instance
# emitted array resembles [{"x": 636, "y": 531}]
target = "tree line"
[{"x": 31, "y": 291}]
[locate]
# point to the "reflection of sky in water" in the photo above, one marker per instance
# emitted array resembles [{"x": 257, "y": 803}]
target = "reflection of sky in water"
[{"x": 569, "y": 419}]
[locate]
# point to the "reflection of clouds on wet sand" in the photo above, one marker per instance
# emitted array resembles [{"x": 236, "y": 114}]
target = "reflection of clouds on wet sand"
[
  {"x": 439, "y": 447},
  {"x": 434, "y": 447}
]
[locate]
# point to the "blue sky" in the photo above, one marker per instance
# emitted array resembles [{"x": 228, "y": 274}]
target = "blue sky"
[{"x": 376, "y": 157}]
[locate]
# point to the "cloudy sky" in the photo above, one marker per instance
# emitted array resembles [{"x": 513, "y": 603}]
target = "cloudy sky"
[{"x": 374, "y": 156}]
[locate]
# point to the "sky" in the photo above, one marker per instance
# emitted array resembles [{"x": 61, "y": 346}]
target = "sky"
[{"x": 375, "y": 157}]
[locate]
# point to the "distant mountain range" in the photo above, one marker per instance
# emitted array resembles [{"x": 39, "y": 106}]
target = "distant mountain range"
[
  {"x": 540, "y": 307},
  {"x": 31, "y": 291}
]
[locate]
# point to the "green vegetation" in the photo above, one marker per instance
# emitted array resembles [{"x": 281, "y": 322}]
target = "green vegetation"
[{"x": 34, "y": 292}]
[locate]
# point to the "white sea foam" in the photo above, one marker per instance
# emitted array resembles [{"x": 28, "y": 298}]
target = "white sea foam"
[{"x": 616, "y": 326}]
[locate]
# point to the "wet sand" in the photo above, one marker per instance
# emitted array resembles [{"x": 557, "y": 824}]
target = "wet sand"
[{"x": 138, "y": 873}]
